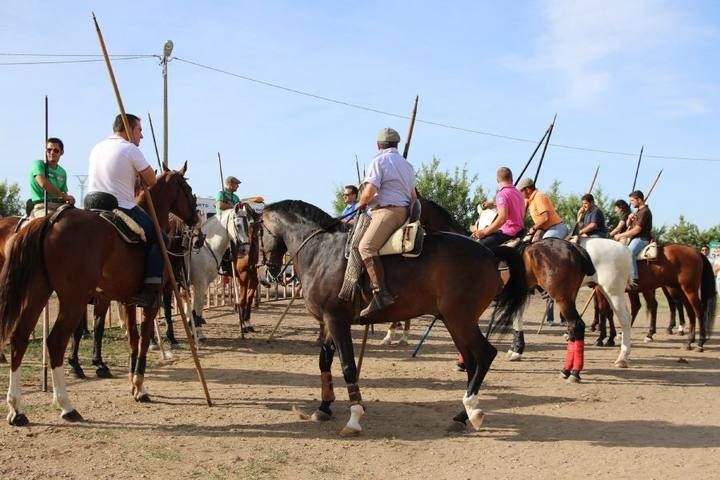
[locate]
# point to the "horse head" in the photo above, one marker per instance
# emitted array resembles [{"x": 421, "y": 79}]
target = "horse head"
[
  {"x": 178, "y": 193},
  {"x": 269, "y": 243}
]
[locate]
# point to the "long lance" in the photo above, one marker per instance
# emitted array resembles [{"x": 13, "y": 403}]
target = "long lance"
[
  {"x": 46, "y": 310},
  {"x": 652, "y": 187},
  {"x": 357, "y": 169},
  {"x": 637, "y": 169},
  {"x": 157, "y": 153},
  {"x": 406, "y": 151},
  {"x": 153, "y": 216},
  {"x": 592, "y": 183},
  {"x": 222, "y": 182},
  {"x": 532, "y": 156},
  {"x": 547, "y": 142}
]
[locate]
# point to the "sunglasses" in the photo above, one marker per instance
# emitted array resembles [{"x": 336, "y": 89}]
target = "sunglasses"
[
  {"x": 53, "y": 150},
  {"x": 347, "y": 194}
]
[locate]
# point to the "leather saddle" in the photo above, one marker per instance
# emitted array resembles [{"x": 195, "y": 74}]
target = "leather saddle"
[
  {"x": 106, "y": 206},
  {"x": 409, "y": 238},
  {"x": 650, "y": 252}
]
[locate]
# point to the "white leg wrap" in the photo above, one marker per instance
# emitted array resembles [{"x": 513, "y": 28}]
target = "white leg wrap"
[
  {"x": 475, "y": 414},
  {"x": 14, "y": 395},
  {"x": 139, "y": 386},
  {"x": 60, "y": 396},
  {"x": 356, "y": 413},
  {"x": 388, "y": 338},
  {"x": 404, "y": 339}
]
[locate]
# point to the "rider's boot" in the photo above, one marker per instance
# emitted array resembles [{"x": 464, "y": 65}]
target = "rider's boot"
[
  {"x": 382, "y": 298},
  {"x": 149, "y": 296}
]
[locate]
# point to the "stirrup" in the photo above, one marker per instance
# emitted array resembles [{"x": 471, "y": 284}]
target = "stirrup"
[{"x": 381, "y": 300}]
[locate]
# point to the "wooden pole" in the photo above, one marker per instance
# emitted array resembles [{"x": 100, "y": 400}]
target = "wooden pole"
[
  {"x": 157, "y": 153},
  {"x": 547, "y": 142},
  {"x": 594, "y": 179},
  {"x": 282, "y": 317},
  {"x": 532, "y": 156},
  {"x": 652, "y": 187},
  {"x": 153, "y": 216},
  {"x": 46, "y": 310},
  {"x": 637, "y": 169}
]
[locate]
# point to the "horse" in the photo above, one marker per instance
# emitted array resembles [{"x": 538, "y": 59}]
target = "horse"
[
  {"x": 683, "y": 268},
  {"x": 8, "y": 226},
  {"x": 79, "y": 255},
  {"x": 247, "y": 276},
  {"x": 434, "y": 218},
  {"x": 230, "y": 226},
  {"x": 434, "y": 283}
]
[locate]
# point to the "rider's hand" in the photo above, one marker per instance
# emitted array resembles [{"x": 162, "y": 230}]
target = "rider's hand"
[
  {"x": 69, "y": 199},
  {"x": 361, "y": 206},
  {"x": 479, "y": 234}
]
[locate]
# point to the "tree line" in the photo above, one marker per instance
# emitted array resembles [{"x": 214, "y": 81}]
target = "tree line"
[{"x": 460, "y": 192}]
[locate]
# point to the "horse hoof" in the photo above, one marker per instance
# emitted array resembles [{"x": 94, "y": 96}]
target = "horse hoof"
[
  {"x": 349, "y": 432},
  {"x": 599, "y": 342},
  {"x": 103, "y": 372},
  {"x": 144, "y": 398},
  {"x": 686, "y": 347},
  {"x": 72, "y": 416},
  {"x": 699, "y": 349},
  {"x": 386, "y": 341},
  {"x": 154, "y": 347},
  {"x": 2, "y": 358},
  {"x": 250, "y": 329},
  {"x": 593, "y": 328},
  {"x": 647, "y": 339},
  {"x": 18, "y": 420},
  {"x": 668, "y": 331},
  {"x": 573, "y": 378},
  {"x": 515, "y": 357},
  {"x": 610, "y": 343},
  {"x": 320, "y": 416},
  {"x": 78, "y": 372},
  {"x": 621, "y": 364},
  {"x": 402, "y": 342},
  {"x": 476, "y": 419}
]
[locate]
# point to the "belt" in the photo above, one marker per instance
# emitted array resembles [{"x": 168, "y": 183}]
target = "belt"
[{"x": 380, "y": 207}]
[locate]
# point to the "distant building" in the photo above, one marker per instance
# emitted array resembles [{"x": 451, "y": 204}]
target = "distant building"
[{"x": 206, "y": 206}]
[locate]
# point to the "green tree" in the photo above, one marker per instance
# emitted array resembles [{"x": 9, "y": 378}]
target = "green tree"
[
  {"x": 684, "y": 232},
  {"x": 10, "y": 203},
  {"x": 339, "y": 201},
  {"x": 457, "y": 191}
]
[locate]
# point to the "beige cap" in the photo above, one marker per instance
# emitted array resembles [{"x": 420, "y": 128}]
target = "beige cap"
[
  {"x": 525, "y": 183},
  {"x": 388, "y": 135},
  {"x": 231, "y": 179}
]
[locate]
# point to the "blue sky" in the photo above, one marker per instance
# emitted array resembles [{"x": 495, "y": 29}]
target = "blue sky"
[{"x": 619, "y": 75}]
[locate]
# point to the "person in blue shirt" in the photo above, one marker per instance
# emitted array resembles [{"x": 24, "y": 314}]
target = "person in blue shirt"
[{"x": 350, "y": 196}]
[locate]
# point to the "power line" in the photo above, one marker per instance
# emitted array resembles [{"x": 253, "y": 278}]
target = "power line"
[
  {"x": 429, "y": 122},
  {"x": 87, "y": 60},
  {"x": 6, "y": 54}
]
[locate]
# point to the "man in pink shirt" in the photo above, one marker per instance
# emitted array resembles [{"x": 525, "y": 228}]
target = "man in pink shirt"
[{"x": 510, "y": 219}]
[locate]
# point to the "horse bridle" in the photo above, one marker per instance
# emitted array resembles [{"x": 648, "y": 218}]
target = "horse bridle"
[{"x": 283, "y": 267}]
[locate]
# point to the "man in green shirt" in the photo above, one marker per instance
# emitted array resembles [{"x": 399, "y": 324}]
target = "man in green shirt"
[
  {"x": 55, "y": 182},
  {"x": 226, "y": 199}
]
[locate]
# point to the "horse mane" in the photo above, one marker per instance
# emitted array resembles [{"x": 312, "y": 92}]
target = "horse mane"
[
  {"x": 446, "y": 217},
  {"x": 308, "y": 212}
]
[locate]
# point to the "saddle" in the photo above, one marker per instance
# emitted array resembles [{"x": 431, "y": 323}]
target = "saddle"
[
  {"x": 649, "y": 253},
  {"x": 106, "y": 206},
  {"x": 409, "y": 238}
]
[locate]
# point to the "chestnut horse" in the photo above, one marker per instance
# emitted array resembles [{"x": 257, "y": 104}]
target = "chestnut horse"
[
  {"x": 455, "y": 278},
  {"x": 246, "y": 264},
  {"x": 79, "y": 256}
]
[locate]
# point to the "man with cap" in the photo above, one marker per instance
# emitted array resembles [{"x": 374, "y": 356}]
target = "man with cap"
[
  {"x": 226, "y": 198},
  {"x": 389, "y": 190},
  {"x": 510, "y": 219},
  {"x": 639, "y": 231},
  {"x": 546, "y": 221},
  {"x": 53, "y": 180}
]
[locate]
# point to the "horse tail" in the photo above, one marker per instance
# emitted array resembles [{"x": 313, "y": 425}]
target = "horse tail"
[
  {"x": 708, "y": 295},
  {"x": 588, "y": 268},
  {"x": 25, "y": 257},
  {"x": 511, "y": 300}
]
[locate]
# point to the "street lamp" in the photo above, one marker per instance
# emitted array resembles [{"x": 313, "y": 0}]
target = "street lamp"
[{"x": 167, "y": 51}]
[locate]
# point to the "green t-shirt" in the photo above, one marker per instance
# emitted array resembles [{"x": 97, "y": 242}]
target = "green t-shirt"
[
  {"x": 226, "y": 196},
  {"x": 56, "y": 176}
]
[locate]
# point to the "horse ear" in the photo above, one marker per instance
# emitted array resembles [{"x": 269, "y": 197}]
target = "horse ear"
[
  {"x": 165, "y": 167},
  {"x": 183, "y": 169}
]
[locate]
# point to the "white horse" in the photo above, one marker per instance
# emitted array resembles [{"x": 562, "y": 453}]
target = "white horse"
[
  {"x": 219, "y": 230},
  {"x": 612, "y": 275}
]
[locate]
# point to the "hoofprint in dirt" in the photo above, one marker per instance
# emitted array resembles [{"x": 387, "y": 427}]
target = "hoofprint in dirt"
[{"x": 658, "y": 419}]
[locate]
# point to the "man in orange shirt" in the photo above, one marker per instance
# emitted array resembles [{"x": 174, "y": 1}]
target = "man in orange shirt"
[{"x": 546, "y": 221}]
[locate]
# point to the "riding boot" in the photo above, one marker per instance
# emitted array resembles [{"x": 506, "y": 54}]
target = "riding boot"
[
  {"x": 382, "y": 298},
  {"x": 149, "y": 296}
]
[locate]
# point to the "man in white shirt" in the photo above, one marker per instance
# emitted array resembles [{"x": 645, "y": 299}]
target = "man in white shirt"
[{"x": 115, "y": 162}]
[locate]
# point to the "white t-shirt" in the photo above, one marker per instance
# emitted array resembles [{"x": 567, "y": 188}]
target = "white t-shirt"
[{"x": 114, "y": 162}]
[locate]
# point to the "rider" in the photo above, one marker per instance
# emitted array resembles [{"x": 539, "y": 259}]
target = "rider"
[
  {"x": 225, "y": 200},
  {"x": 622, "y": 209},
  {"x": 546, "y": 221},
  {"x": 640, "y": 231},
  {"x": 389, "y": 189},
  {"x": 509, "y": 222},
  {"x": 591, "y": 219},
  {"x": 350, "y": 198},
  {"x": 114, "y": 164},
  {"x": 54, "y": 181}
]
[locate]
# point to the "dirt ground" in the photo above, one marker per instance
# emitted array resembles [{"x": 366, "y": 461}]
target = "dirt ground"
[{"x": 658, "y": 419}]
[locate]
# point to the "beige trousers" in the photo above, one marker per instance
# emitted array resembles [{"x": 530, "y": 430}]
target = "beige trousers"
[
  {"x": 38, "y": 210},
  {"x": 383, "y": 223}
]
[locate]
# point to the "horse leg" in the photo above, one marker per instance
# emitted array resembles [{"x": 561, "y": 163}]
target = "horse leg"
[
  {"x": 619, "y": 307},
  {"x": 69, "y": 319},
  {"x": 651, "y": 306},
  {"x": 681, "y": 316},
  {"x": 250, "y": 298},
  {"x": 387, "y": 340},
  {"x": 600, "y": 318},
  {"x": 197, "y": 310},
  {"x": 613, "y": 333},
  {"x": 74, "y": 360},
  {"x": 695, "y": 313},
  {"x": 138, "y": 374},
  {"x": 132, "y": 337},
  {"x": 323, "y": 412},
  {"x": 404, "y": 338},
  {"x": 167, "y": 310},
  {"x": 575, "y": 352},
  {"x": 517, "y": 347},
  {"x": 18, "y": 342},
  {"x": 100, "y": 312},
  {"x": 340, "y": 332}
]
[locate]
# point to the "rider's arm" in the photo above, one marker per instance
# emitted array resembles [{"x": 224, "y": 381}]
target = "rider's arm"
[
  {"x": 630, "y": 232},
  {"x": 588, "y": 228},
  {"x": 223, "y": 205},
  {"x": 368, "y": 193},
  {"x": 413, "y": 197},
  {"x": 498, "y": 222},
  {"x": 49, "y": 187},
  {"x": 148, "y": 176},
  {"x": 539, "y": 226},
  {"x": 620, "y": 227}
]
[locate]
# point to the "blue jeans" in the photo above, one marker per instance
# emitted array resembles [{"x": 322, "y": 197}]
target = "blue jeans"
[
  {"x": 636, "y": 246},
  {"x": 556, "y": 231},
  {"x": 495, "y": 239},
  {"x": 154, "y": 265}
]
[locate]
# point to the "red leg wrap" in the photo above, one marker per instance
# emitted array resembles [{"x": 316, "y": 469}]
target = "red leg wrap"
[
  {"x": 569, "y": 355},
  {"x": 579, "y": 357},
  {"x": 460, "y": 358}
]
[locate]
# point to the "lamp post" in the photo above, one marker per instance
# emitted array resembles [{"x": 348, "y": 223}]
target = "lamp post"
[{"x": 167, "y": 51}]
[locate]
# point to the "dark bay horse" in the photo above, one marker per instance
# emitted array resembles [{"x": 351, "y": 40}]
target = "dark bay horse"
[
  {"x": 686, "y": 270},
  {"x": 455, "y": 278},
  {"x": 79, "y": 256}
]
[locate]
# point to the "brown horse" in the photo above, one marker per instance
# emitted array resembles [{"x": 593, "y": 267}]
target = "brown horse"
[
  {"x": 246, "y": 263},
  {"x": 79, "y": 256},
  {"x": 686, "y": 270}
]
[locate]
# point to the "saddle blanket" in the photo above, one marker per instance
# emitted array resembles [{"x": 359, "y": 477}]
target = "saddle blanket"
[
  {"x": 649, "y": 253},
  {"x": 128, "y": 228}
]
